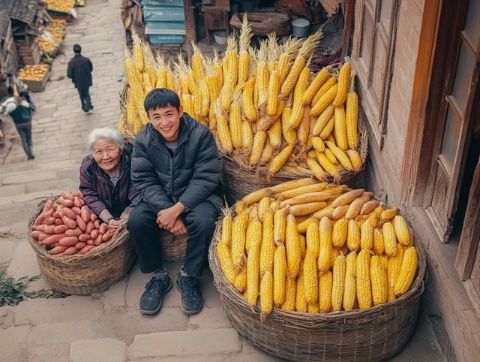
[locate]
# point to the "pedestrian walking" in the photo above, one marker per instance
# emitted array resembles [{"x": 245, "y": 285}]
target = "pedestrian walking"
[
  {"x": 20, "y": 109},
  {"x": 80, "y": 70}
]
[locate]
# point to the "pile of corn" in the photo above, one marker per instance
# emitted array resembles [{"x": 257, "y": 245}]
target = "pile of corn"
[
  {"x": 64, "y": 6},
  {"x": 52, "y": 38},
  {"x": 314, "y": 247},
  {"x": 33, "y": 72},
  {"x": 265, "y": 107}
]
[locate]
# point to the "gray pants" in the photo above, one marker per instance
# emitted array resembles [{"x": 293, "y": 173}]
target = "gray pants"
[{"x": 25, "y": 132}]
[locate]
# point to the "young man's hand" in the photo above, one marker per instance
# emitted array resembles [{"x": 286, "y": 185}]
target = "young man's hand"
[
  {"x": 166, "y": 218},
  {"x": 178, "y": 227}
]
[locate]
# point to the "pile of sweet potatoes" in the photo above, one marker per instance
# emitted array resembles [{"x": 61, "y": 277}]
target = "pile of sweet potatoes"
[{"x": 67, "y": 226}]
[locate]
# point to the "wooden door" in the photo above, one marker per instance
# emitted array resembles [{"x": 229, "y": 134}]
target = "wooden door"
[{"x": 453, "y": 141}]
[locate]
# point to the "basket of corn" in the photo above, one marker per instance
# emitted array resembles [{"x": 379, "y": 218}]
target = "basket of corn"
[
  {"x": 60, "y": 7},
  {"x": 35, "y": 76},
  {"x": 273, "y": 119},
  {"x": 314, "y": 271}
]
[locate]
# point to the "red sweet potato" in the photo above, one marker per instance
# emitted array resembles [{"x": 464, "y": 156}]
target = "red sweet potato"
[
  {"x": 57, "y": 250},
  {"x": 76, "y": 210},
  {"x": 73, "y": 232},
  {"x": 70, "y": 251},
  {"x": 53, "y": 239},
  {"x": 98, "y": 240},
  {"x": 80, "y": 245},
  {"x": 68, "y": 241},
  {"x": 87, "y": 248},
  {"x": 67, "y": 195},
  {"x": 90, "y": 227},
  {"x": 94, "y": 234},
  {"x": 85, "y": 213},
  {"x": 103, "y": 228},
  {"x": 81, "y": 224},
  {"x": 69, "y": 222},
  {"x": 69, "y": 213},
  {"x": 60, "y": 229}
]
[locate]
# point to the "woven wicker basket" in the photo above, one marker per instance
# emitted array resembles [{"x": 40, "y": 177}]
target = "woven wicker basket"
[
  {"x": 84, "y": 274},
  {"x": 374, "y": 334},
  {"x": 240, "y": 179},
  {"x": 173, "y": 247}
]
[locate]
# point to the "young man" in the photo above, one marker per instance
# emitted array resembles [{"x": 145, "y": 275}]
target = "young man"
[
  {"x": 80, "y": 70},
  {"x": 175, "y": 167}
]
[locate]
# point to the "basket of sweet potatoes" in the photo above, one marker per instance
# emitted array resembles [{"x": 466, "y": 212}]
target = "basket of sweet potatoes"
[{"x": 77, "y": 252}]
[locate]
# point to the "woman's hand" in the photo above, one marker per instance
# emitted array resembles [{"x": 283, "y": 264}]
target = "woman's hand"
[
  {"x": 114, "y": 224},
  {"x": 178, "y": 227}
]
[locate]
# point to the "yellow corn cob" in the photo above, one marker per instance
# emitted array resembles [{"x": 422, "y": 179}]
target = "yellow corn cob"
[
  {"x": 226, "y": 263},
  {"x": 349, "y": 294},
  {"x": 275, "y": 134},
  {"x": 290, "y": 135},
  {"x": 343, "y": 84},
  {"x": 296, "y": 116},
  {"x": 279, "y": 275},
  {"x": 324, "y": 88},
  {"x": 407, "y": 271},
  {"x": 197, "y": 64},
  {"x": 364, "y": 291},
  {"x": 378, "y": 245},
  {"x": 373, "y": 219},
  {"x": 389, "y": 239},
  {"x": 401, "y": 230},
  {"x": 243, "y": 66},
  {"x": 321, "y": 77},
  {"x": 340, "y": 130},
  {"x": 290, "y": 293},
  {"x": 355, "y": 159},
  {"x": 279, "y": 160},
  {"x": 262, "y": 83},
  {"x": 254, "y": 231},
  {"x": 340, "y": 232},
  {"x": 300, "y": 302},
  {"x": 318, "y": 144},
  {"x": 339, "y": 269},
  {"x": 213, "y": 89},
  {"x": 293, "y": 74},
  {"x": 323, "y": 120},
  {"x": 239, "y": 229},
  {"x": 316, "y": 169},
  {"x": 327, "y": 130},
  {"x": 240, "y": 282},
  {"x": 279, "y": 226},
  {"x": 302, "y": 226},
  {"x": 326, "y": 212},
  {"x": 384, "y": 260},
  {"x": 325, "y": 291},
  {"x": 283, "y": 66},
  {"x": 325, "y": 254},
  {"x": 310, "y": 278},
  {"x": 339, "y": 212},
  {"x": 205, "y": 104},
  {"x": 366, "y": 236},
  {"x": 267, "y": 153},
  {"x": 227, "y": 230},
  {"x": 394, "y": 265},
  {"x": 303, "y": 247},
  {"x": 258, "y": 145},
  {"x": 351, "y": 117},
  {"x": 171, "y": 81},
  {"x": 266, "y": 294},
  {"x": 247, "y": 137},
  {"x": 236, "y": 125},
  {"x": 333, "y": 170},
  {"x": 293, "y": 247},
  {"x": 356, "y": 206},
  {"x": 138, "y": 57},
  {"x": 369, "y": 207},
  {"x": 223, "y": 134},
  {"x": 247, "y": 100},
  {"x": 161, "y": 81},
  {"x": 312, "y": 186},
  {"x": 324, "y": 101},
  {"x": 273, "y": 91},
  {"x": 340, "y": 155},
  {"x": 348, "y": 197},
  {"x": 330, "y": 156},
  {"x": 253, "y": 274},
  {"x": 313, "y": 238},
  {"x": 303, "y": 129},
  {"x": 301, "y": 85},
  {"x": 353, "y": 236},
  {"x": 306, "y": 209},
  {"x": 290, "y": 185},
  {"x": 378, "y": 279},
  {"x": 388, "y": 214}
]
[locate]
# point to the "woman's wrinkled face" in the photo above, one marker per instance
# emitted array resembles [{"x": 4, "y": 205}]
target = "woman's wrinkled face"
[
  {"x": 166, "y": 121},
  {"x": 106, "y": 154}
]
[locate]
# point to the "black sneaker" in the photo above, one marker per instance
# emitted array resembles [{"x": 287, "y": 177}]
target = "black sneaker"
[
  {"x": 152, "y": 298},
  {"x": 192, "y": 300}
]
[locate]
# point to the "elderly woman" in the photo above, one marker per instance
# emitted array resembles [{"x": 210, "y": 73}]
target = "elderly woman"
[{"x": 105, "y": 177}]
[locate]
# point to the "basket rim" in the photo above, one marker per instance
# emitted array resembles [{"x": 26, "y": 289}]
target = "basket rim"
[
  {"x": 117, "y": 239},
  {"x": 345, "y": 175},
  {"x": 229, "y": 291}
]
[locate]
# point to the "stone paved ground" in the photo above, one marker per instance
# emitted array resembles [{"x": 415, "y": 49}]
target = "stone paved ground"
[{"x": 108, "y": 326}]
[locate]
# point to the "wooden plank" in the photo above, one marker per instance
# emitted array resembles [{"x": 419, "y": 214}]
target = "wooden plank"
[
  {"x": 190, "y": 30},
  {"x": 348, "y": 8}
]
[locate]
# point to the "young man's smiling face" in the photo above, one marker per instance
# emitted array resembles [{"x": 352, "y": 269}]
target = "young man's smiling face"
[{"x": 166, "y": 120}]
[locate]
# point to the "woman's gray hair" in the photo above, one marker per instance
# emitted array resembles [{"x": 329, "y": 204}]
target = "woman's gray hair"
[{"x": 105, "y": 133}]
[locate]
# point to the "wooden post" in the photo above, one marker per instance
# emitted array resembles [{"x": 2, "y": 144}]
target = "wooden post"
[
  {"x": 348, "y": 13},
  {"x": 190, "y": 30}
]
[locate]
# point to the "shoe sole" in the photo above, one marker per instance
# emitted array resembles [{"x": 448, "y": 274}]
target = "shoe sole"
[
  {"x": 156, "y": 310},
  {"x": 189, "y": 312}
]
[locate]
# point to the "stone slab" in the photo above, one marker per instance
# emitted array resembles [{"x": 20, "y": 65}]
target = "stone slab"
[
  {"x": 67, "y": 332},
  {"x": 7, "y": 250},
  {"x": 114, "y": 297},
  {"x": 188, "y": 343},
  {"x": 209, "y": 318},
  {"x": 24, "y": 262},
  {"x": 13, "y": 345},
  {"x": 9, "y": 190},
  {"x": 73, "y": 308},
  {"x": 57, "y": 352},
  {"x": 7, "y": 316},
  {"x": 29, "y": 177},
  {"x": 105, "y": 350}
]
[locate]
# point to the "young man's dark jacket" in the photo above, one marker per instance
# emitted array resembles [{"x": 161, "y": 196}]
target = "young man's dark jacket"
[
  {"x": 23, "y": 114},
  {"x": 99, "y": 192},
  {"x": 190, "y": 175},
  {"x": 80, "y": 71}
]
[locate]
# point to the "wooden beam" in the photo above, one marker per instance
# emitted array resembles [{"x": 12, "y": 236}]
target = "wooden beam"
[
  {"x": 190, "y": 27},
  {"x": 348, "y": 15}
]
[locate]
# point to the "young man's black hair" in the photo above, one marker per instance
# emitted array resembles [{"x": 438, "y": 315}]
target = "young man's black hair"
[
  {"x": 160, "y": 98},
  {"x": 77, "y": 49}
]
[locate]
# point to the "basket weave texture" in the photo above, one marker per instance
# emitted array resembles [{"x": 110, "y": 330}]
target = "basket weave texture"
[
  {"x": 84, "y": 274},
  {"x": 373, "y": 334},
  {"x": 173, "y": 247},
  {"x": 240, "y": 179}
]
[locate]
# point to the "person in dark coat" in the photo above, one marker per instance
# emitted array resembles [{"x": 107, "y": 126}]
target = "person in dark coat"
[
  {"x": 105, "y": 180},
  {"x": 20, "y": 109},
  {"x": 176, "y": 168},
  {"x": 80, "y": 70}
]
